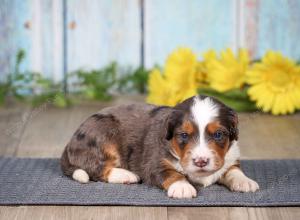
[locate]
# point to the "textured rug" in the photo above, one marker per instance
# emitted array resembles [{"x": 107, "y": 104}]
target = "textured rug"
[{"x": 41, "y": 182}]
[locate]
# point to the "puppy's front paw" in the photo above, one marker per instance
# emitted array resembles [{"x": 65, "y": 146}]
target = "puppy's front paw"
[
  {"x": 181, "y": 189},
  {"x": 119, "y": 175},
  {"x": 243, "y": 184}
]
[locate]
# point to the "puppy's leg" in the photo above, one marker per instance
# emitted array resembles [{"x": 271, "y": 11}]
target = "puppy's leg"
[
  {"x": 111, "y": 171},
  {"x": 181, "y": 189},
  {"x": 175, "y": 183},
  {"x": 104, "y": 167},
  {"x": 236, "y": 180},
  {"x": 94, "y": 152},
  {"x": 119, "y": 175},
  {"x": 81, "y": 176}
]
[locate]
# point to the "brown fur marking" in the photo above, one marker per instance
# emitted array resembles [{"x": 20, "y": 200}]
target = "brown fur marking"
[
  {"x": 236, "y": 166},
  {"x": 176, "y": 147},
  {"x": 213, "y": 127},
  {"x": 112, "y": 159},
  {"x": 171, "y": 175},
  {"x": 188, "y": 127},
  {"x": 183, "y": 151},
  {"x": 218, "y": 150},
  {"x": 110, "y": 151}
]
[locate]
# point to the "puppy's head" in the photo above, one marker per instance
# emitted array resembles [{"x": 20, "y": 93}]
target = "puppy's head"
[{"x": 200, "y": 131}]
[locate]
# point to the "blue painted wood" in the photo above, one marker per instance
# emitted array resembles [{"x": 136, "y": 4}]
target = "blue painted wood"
[
  {"x": 276, "y": 26},
  {"x": 13, "y": 35},
  {"x": 46, "y": 36},
  {"x": 102, "y": 31},
  {"x": 46, "y": 32},
  {"x": 34, "y": 26},
  {"x": 197, "y": 24}
]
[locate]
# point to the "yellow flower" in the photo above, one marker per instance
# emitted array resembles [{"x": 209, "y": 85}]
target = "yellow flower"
[
  {"x": 275, "y": 84},
  {"x": 228, "y": 72},
  {"x": 201, "y": 74},
  {"x": 178, "y": 81},
  {"x": 159, "y": 89},
  {"x": 180, "y": 64}
]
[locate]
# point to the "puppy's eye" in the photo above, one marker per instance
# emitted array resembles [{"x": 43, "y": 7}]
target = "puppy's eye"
[
  {"x": 218, "y": 136},
  {"x": 184, "y": 136}
]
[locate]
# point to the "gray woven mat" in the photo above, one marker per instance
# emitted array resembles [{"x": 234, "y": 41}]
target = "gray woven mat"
[{"x": 40, "y": 181}]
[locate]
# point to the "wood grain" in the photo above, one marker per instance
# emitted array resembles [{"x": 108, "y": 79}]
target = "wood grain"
[
  {"x": 220, "y": 213},
  {"x": 82, "y": 212},
  {"x": 264, "y": 136},
  {"x": 200, "y": 25},
  {"x": 49, "y": 129},
  {"x": 12, "y": 125},
  {"x": 103, "y": 31},
  {"x": 36, "y": 27},
  {"x": 272, "y": 25},
  {"x": 46, "y": 35},
  {"x": 13, "y": 35}
]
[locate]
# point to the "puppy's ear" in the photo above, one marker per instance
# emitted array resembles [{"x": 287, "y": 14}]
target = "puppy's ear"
[
  {"x": 173, "y": 120},
  {"x": 233, "y": 130}
]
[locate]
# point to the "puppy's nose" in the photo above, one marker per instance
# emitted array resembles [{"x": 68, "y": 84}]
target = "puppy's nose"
[{"x": 201, "y": 161}]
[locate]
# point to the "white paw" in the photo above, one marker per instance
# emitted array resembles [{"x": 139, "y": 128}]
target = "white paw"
[
  {"x": 243, "y": 184},
  {"x": 119, "y": 175},
  {"x": 81, "y": 176},
  {"x": 181, "y": 189}
]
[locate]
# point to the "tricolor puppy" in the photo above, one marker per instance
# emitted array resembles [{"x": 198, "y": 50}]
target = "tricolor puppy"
[{"x": 194, "y": 142}]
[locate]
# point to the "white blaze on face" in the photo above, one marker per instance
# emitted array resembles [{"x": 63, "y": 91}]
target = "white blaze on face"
[{"x": 203, "y": 112}]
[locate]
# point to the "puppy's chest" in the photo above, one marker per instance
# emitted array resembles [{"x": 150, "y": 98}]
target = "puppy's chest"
[{"x": 205, "y": 181}]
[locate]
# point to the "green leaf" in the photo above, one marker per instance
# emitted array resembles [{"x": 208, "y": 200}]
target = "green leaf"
[
  {"x": 236, "y": 99},
  {"x": 19, "y": 59},
  {"x": 96, "y": 84},
  {"x": 3, "y": 91},
  {"x": 134, "y": 81},
  {"x": 60, "y": 100}
]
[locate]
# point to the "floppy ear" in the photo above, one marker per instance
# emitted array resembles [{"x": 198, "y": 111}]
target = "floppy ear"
[
  {"x": 233, "y": 130},
  {"x": 173, "y": 120}
]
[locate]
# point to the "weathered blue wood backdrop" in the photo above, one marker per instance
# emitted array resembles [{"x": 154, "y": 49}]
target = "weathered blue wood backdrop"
[{"x": 133, "y": 32}]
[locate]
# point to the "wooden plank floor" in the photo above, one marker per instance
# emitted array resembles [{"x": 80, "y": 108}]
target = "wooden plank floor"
[{"x": 44, "y": 131}]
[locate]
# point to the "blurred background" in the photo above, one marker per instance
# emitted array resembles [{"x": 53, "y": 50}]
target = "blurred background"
[
  {"x": 53, "y": 49},
  {"x": 62, "y": 35},
  {"x": 61, "y": 60}
]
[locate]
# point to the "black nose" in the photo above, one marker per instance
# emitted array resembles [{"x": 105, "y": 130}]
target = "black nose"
[{"x": 201, "y": 161}]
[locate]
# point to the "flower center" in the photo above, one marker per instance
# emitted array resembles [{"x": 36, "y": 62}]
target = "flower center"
[{"x": 280, "y": 80}]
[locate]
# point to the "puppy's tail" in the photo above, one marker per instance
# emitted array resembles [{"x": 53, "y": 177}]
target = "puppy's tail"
[{"x": 70, "y": 170}]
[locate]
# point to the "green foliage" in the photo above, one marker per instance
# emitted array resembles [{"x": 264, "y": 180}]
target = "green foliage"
[
  {"x": 15, "y": 82},
  {"x": 236, "y": 99},
  {"x": 3, "y": 92},
  {"x": 135, "y": 80},
  {"x": 100, "y": 84},
  {"x": 96, "y": 84},
  {"x": 31, "y": 86},
  {"x": 45, "y": 90},
  {"x": 19, "y": 59},
  {"x": 57, "y": 99}
]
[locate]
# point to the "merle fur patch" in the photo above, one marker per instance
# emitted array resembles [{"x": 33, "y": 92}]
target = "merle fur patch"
[
  {"x": 154, "y": 111},
  {"x": 92, "y": 142},
  {"x": 80, "y": 136}
]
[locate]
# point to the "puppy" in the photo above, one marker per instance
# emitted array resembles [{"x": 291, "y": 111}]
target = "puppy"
[{"x": 169, "y": 147}]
